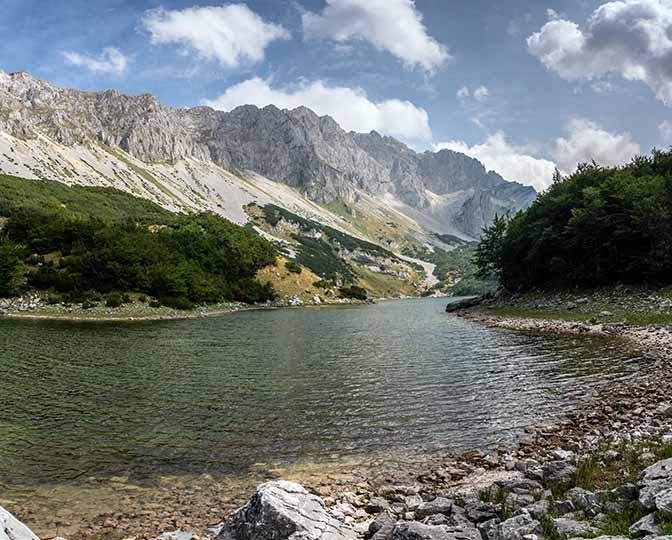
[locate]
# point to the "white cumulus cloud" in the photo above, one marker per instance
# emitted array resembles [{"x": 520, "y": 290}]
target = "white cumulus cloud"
[
  {"x": 481, "y": 93},
  {"x": 110, "y": 60},
  {"x": 350, "y": 107},
  {"x": 229, "y": 34},
  {"x": 395, "y": 26},
  {"x": 512, "y": 162},
  {"x": 628, "y": 38},
  {"x": 587, "y": 141}
]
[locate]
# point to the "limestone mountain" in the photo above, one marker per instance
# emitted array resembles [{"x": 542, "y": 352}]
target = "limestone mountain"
[{"x": 206, "y": 159}]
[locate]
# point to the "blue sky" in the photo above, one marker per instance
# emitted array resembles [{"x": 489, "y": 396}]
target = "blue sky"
[{"x": 523, "y": 85}]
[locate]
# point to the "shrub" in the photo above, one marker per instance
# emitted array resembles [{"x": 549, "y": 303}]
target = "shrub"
[
  {"x": 178, "y": 302},
  {"x": 353, "y": 291},
  {"x": 321, "y": 284},
  {"x": 293, "y": 267},
  {"x": 142, "y": 299},
  {"x": 154, "y": 304},
  {"x": 125, "y": 298},
  {"x": 53, "y": 299},
  {"x": 87, "y": 304},
  {"x": 114, "y": 300},
  {"x": 12, "y": 269}
]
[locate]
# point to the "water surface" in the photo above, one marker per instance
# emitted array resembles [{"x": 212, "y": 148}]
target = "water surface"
[{"x": 218, "y": 395}]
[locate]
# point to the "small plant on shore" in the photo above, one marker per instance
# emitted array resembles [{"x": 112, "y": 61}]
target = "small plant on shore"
[
  {"x": 665, "y": 523},
  {"x": 619, "y": 523},
  {"x": 548, "y": 526}
]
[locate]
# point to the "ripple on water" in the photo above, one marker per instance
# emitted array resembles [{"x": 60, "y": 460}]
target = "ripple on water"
[{"x": 96, "y": 399}]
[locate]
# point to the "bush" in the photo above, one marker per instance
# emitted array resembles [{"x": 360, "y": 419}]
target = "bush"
[
  {"x": 178, "y": 302},
  {"x": 125, "y": 298},
  {"x": 87, "y": 304},
  {"x": 353, "y": 291},
  {"x": 293, "y": 267},
  {"x": 54, "y": 299},
  {"x": 142, "y": 299},
  {"x": 322, "y": 284},
  {"x": 114, "y": 300},
  {"x": 12, "y": 268},
  {"x": 154, "y": 304}
]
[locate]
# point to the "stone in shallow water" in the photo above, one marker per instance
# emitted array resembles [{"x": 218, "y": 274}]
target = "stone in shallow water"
[
  {"x": 280, "y": 510},
  {"x": 12, "y": 529}
]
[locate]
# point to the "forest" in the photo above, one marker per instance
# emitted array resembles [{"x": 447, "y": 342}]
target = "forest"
[
  {"x": 81, "y": 242},
  {"x": 597, "y": 226}
]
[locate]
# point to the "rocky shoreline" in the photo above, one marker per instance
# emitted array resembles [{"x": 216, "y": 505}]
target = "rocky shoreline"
[
  {"x": 603, "y": 469},
  {"x": 33, "y": 307}
]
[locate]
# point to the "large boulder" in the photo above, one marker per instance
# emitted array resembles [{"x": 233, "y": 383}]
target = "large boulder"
[
  {"x": 464, "y": 303},
  {"x": 647, "y": 526},
  {"x": 440, "y": 505},
  {"x": 663, "y": 502},
  {"x": 12, "y": 529},
  {"x": 281, "y": 510},
  {"x": 654, "y": 480},
  {"x": 569, "y": 527}
]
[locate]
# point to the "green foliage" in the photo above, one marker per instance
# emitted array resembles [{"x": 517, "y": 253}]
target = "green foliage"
[
  {"x": 113, "y": 300},
  {"x": 548, "y": 526},
  {"x": 619, "y": 523},
  {"x": 179, "y": 302},
  {"x": 12, "y": 268},
  {"x": 106, "y": 204},
  {"x": 123, "y": 244},
  {"x": 353, "y": 291},
  {"x": 599, "y": 226},
  {"x": 321, "y": 254},
  {"x": 321, "y": 284},
  {"x": 665, "y": 522},
  {"x": 293, "y": 267}
]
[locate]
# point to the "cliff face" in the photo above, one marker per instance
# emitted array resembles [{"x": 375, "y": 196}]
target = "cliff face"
[{"x": 294, "y": 147}]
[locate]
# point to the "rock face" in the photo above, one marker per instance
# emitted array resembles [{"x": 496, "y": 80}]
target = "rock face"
[
  {"x": 12, "y": 529},
  {"x": 281, "y": 510},
  {"x": 296, "y": 147}
]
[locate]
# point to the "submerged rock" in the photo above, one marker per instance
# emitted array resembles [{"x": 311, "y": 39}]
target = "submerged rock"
[
  {"x": 280, "y": 510},
  {"x": 12, "y": 529},
  {"x": 463, "y": 304}
]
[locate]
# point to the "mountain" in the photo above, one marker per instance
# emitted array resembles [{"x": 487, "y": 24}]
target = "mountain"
[{"x": 200, "y": 158}]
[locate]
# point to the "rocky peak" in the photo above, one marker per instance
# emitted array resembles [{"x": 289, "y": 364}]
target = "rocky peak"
[{"x": 309, "y": 152}]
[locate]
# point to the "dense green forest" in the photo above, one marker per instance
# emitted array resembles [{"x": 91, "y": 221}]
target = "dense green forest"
[
  {"x": 80, "y": 242},
  {"x": 598, "y": 226}
]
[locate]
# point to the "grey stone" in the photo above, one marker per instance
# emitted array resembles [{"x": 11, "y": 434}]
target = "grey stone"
[
  {"x": 558, "y": 472},
  {"x": 412, "y": 502},
  {"x": 569, "y": 527},
  {"x": 585, "y": 500},
  {"x": 280, "y": 510},
  {"x": 488, "y": 529},
  {"x": 412, "y": 530},
  {"x": 440, "y": 505},
  {"x": 12, "y": 529},
  {"x": 377, "y": 505},
  {"x": 520, "y": 527},
  {"x": 480, "y": 512},
  {"x": 646, "y": 526},
  {"x": 653, "y": 480},
  {"x": 663, "y": 501}
]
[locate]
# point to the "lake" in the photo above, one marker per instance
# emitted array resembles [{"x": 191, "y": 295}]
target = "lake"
[{"x": 83, "y": 400}]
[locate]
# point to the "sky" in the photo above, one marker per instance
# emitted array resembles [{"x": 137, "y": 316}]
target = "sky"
[{"x": 523, "y": 85}]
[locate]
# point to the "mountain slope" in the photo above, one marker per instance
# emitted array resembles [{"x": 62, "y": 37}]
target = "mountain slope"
[{"x": 205, "y": 159}]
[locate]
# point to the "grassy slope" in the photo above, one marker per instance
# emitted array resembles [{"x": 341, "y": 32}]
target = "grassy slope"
[{"x": 106, "y": 204}]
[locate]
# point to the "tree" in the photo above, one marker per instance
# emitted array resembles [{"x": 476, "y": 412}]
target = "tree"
[
  {"x": 12, "y": 268},
  {"x": 489, "y": 256}
]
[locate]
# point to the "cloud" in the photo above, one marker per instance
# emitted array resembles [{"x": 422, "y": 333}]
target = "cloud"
[
  {"x": 630, "y": 38},
  {"x": 111, "y": 60},
  {"x": 350, "y": 107},
  {"x": 463, "y": 94},
  {"x": 512, "y": 162},
  {"x": 389, "y": 25},
  {"x": 481, "y": 93},
  {"x": 587, "y": 141},
  {"x": 665, "y": 131},
  {"x": 229, "y": 34}
]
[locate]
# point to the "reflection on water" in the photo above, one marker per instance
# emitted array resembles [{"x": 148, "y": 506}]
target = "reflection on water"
[{"x": 217, "y": 395}]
